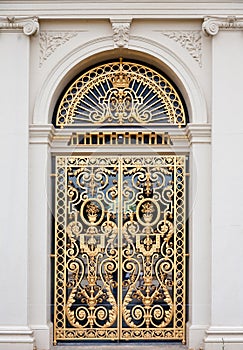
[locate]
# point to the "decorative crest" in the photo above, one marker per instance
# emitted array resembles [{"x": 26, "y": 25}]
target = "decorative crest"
[{"x": 121, "y": 79}]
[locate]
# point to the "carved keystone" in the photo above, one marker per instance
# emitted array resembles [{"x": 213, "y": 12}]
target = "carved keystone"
[{"x": 121, "y": 30}]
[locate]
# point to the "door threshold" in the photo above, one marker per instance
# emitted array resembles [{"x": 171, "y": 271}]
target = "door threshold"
[{"x": 121, "y": 346}]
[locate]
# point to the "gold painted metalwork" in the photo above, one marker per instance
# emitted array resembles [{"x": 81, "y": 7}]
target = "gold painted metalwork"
[
  {"x": 120, "y": 248},
  {"x": 120, "y": 138},
  {"x": 120, "y": 93}
]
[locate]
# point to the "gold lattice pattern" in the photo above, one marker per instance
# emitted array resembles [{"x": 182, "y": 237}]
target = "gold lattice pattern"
[
  {"x": 120, "y": 138},
  {"x": 120, "y": 248},
  {"x": 120, "y": 93}
]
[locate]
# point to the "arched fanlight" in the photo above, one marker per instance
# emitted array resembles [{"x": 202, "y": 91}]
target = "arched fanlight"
[{"x": 120, "y": 93}]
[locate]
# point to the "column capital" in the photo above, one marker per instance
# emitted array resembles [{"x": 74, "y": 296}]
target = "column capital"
[
  {"x": 199, "y": 133},
  {"x": 212, "y": 25},
  {"x": 29, "y": 25},
  {"x": 41, "y": 134}
]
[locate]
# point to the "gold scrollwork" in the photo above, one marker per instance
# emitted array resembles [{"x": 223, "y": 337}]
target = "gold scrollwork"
[
  {"x": 120, "y": 248},
  {"x": 121, "y": 93}
]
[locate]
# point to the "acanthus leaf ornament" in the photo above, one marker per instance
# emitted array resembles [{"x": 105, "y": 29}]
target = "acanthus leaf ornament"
[
  {"x": 29, "y": 25},
  {"x": 212, "y": 25},
  {"x": 191, "y": 40},
  {"x": 121, "y": 32},
  {"x": 49, "y": 42}
]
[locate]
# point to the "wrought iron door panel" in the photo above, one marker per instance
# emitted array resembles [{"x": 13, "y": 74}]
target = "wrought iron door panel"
[
  {"x": 152, "y": 247},
  {"x": 119, "y": 248}
]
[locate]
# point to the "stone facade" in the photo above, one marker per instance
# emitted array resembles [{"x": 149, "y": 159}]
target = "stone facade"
[{"x": 199, "y": 45}]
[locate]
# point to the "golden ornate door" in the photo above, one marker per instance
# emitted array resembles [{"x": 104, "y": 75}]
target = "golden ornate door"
[{"x": 119, "y": 248}]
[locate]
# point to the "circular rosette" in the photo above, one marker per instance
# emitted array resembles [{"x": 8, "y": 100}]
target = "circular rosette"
[
  {"x": 92, "y": 212},
  {"x": 148, "y": 212}
]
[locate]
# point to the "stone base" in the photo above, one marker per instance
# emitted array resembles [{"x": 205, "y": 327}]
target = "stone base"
[
  {"x": 224, "y": 338},
  {"x": 227, "y": 346},
  {"x": 195, "y": 335},
  {"x": 43, "y": 335},
  {"x": 16, "y": 346},
  {"x": 16, "y": 338}
]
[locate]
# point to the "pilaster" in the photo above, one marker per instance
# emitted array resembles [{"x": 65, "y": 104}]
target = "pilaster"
[
  {"x": 40, "y": 212},
  {"x": 227, "y": 190},
  {"x": 199, "y": 136},
  {"x": 15, "y": 333}
]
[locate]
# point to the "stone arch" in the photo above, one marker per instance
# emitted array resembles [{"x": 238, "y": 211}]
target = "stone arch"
[{"x": 139, "y": 48}]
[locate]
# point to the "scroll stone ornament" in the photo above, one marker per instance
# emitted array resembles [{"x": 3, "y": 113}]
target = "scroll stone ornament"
[
  {"x": 211, "y": 25},
  {"x": 29, "y": 25},
  {"x": 121, "y": 34}
]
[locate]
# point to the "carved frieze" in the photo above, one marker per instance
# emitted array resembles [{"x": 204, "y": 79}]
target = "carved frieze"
[
  {"x": 49, "y": 42},
  {"x": 121, "y": 32},
  {"x": 29, "y": 25},
  {"x": 190, "y": 40},
  {"x": 212, "y": 25}
]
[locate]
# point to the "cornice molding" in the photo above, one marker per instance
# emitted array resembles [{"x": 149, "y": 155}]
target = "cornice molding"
[
  {"x": 29, "y": 25},
  {"x": 212, "y": 25},
  {"x": 142, "y": 9},
  {"x": 121, "y": 31}
]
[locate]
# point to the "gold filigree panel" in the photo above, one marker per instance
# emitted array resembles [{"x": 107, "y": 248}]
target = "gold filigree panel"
[
  {"x": 120, "y": 93},
  {"x": 120, "y": 248}
]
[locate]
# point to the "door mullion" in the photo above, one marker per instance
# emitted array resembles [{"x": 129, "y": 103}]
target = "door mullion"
[{"x": 120, "y": 248}]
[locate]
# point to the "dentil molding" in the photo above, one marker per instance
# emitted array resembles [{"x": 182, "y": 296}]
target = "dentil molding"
[
  {"x": 212, "y": 25},
  {"x": 49, "y": 42},
  {"x": 29, "y": 25},
  {"x": 121, "y": 31},
  {"x": 190, "y": 40}
]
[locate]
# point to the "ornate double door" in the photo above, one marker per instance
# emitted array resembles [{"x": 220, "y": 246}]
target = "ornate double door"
[{"x": 119, "y": 248}]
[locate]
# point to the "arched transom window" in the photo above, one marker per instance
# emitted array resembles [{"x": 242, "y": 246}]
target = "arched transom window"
[{"x": 120, "y": 93}]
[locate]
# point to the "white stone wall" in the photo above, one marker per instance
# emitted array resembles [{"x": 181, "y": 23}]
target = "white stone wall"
[{"x": 42, "y": 48}]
